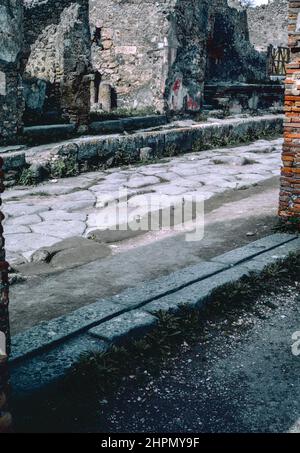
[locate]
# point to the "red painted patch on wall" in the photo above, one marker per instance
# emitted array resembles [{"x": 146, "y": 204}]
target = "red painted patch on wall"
[
  {"x": 177, "y": 86},
  {"x": 192, "y": 104}
]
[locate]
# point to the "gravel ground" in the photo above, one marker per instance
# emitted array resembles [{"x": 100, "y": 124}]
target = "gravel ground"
[{"x": 241, "y": 376}]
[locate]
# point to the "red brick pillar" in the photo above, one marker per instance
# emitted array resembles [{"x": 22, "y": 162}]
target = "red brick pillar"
[
  {"x": 5, "y": 417},
  {"x": 289, "y": 207}
]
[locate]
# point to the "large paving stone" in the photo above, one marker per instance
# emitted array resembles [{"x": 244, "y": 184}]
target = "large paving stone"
[
  {"x": 141, "y": 181},
  {"x": 22, "y": 220},
  {"x": 128, "y": 325},
  {"x": 74, "y": 201},
  {"x": 17, "y": 209},
  {"x": 53, "y": 189},
  {"x": 170, "y": 189},
  {"x": 73, "y": 206},
  {"x": 27, "y": 242},
  {"x": 59, "y": 215},
  {"x": 60, "y": 229},
  {"x": 106, "y": 198},
  {"x": 16, "y": 229},
  {"x": 115, "y": 215},
  {"x": 153, "y": 201},
  {"x": 106, "y": 186}
]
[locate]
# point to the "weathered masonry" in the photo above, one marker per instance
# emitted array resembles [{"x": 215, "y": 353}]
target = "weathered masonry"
[
  {"x": 157, "y": 55},
  {"x": 290, "y": 178},
  {"x": 56, "y": 61},
  {"x": 132, "y": 55},
  {"x": 268, "y": 24},
  {"x": 11, "y": 37}
]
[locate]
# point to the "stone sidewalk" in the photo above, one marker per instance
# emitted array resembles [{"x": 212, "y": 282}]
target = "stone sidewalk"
[{"x": 44, "y": 215}]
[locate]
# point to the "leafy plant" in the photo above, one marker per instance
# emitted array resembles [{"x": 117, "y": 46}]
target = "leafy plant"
[
  {"x": 27, "y": 177},
  {"x": 64, "y": 167}
]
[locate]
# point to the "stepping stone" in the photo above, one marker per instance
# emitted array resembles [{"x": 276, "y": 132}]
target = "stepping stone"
[
  {"x": 72, "y": 252},
  {"x": 112, "y": 236}
]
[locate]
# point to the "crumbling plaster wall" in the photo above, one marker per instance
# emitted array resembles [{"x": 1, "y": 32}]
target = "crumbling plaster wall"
[
  {"x": 11, "y": 37},
  {"x": 57, "y": 58},
  {"x": 268, "y": 24}
]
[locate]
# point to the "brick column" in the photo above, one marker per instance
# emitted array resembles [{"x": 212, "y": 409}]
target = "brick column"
[
  {"x": 289, "y": 206},
  {"x": 5, "y": 417}
]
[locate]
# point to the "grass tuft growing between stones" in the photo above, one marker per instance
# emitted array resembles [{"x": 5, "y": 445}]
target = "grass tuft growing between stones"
[
  {"x": 27, "y": 178},
  {"x": 64, "y": 168},
  {"x": 231, "y": 141},
  {"x": 75, "y": 400}
]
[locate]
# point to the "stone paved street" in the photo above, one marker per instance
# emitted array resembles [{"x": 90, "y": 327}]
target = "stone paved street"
[{"x": 46, "y": 214}]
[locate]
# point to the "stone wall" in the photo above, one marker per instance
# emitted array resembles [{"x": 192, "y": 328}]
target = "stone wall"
[
  {"x": 133, "y": 46},
  {"x": 268, "y": 24},
  {"x": 57, "y": 60},
  {"x": 154, "y": 54},
  {"x": 11, "y": 103},
  {"x": 290, "y": 176},
  {"x": 231, "y": 56}
]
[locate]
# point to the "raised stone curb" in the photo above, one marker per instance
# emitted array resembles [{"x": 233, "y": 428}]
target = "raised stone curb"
[
  {"x": 127, "y": 124},
  {"x": 105, "y": 149},
  {"x": 51, "y": 366},
  {"x": 253, "y": 249},
  {"x": 49, "y": 333},
  {"x": 136, "y": 297},
  {"x": 129, "y": 325},
  {"x": 195, "y": 295},
  {"x": 281, "y": 252},
  {"x": 13, "y": 160},
  {"x": 44, "y": 354},
  {"x": 44, "y": 133}
]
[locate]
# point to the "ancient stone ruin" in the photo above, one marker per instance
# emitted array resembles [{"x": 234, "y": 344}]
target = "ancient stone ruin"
[
  {"x": 11, "y": 39},
  {"x": 158, "y": 55},
  {"x": 290, "y": 187},
  {"x": 56, "y": 61},
  {"x": 71, "y": 56},
  {"x": 268, "y": 24}
]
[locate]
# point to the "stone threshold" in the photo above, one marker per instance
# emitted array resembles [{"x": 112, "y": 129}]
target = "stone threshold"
[
  {"x": 117, "y": 149},
  {"x": 43, "y": 354}
]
